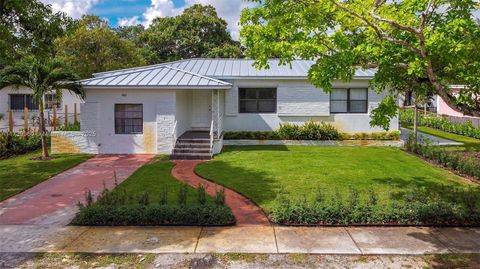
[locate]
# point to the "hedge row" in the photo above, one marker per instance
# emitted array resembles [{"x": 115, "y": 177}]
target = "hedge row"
[
  {"x": 458, "y": 161},
  {"x": 309, "y": 131},
  {"x": 441, "y": 123},
  {"x": 114, "y": 208},
  {"x": 12, "y": 144},
  {"x": 414, "y": 208},
  {"x": 151, "y": 215}
]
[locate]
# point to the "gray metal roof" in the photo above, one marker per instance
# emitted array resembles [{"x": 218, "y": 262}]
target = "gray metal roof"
[
  {"x": 163, "y": 76},
  {"x": 239, "y": 68}
]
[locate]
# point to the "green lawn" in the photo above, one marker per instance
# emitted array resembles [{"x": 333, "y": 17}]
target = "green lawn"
[
  {"x": 154, "y": 178},
  {"x": 470, "y": 143},
  {"x": 20, "y": 173},
  {"x": 259, "y": 172}
]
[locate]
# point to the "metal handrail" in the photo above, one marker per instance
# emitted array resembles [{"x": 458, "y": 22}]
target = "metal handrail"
[
  {"x": 211, "y": 136},
  {"x": 174, "y": 134}
]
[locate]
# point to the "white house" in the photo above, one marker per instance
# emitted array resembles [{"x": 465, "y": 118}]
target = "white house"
[
  {"x": 147, "y": 109},
  {"x": 15, "y": 100}
]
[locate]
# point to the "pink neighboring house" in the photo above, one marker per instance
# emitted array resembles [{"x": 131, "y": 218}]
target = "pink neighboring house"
[{"x": 444, "y": 109}]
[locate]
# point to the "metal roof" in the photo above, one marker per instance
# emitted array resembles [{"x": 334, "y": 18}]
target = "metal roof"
[
  {"x": 163, "y": 76},
  {"x": 239, "y": 68}
]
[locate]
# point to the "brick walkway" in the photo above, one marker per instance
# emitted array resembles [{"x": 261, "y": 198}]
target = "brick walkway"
[
  {"x": 244, "y": 210},
  {"x": 54, "y": 200}
]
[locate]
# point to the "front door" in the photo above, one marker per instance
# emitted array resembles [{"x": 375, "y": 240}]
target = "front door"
[{"x": 201, "y": 109}]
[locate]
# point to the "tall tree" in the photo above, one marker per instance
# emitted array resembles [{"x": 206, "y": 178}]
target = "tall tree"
[
  {"x": 43, "y": 77},
  {"x": 130, "y": 33},
  {"x": 94, "y": 47},
  {"x": 29, "y": 27},
  {"x": 197, "y": 32},
  {"x": 420, "y": 45}
]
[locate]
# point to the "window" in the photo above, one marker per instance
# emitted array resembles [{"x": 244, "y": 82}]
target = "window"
[
  {"x": 262, "y": 100},
  {"x": 349, "y": 101},
  {"x": 51, "y": 100},
  {"x": 20, "y": 101},
  {"x": 128, "y": 118}
]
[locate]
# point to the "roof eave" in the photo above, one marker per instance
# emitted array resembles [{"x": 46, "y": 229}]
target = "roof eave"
[{"x": 155, "y": 87}]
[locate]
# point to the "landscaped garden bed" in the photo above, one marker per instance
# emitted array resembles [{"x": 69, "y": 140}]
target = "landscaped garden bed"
[
  {"x": 152, "y": 196},
  {"x": 345, "y": 185},
  {"x": 310, "y": 131},
  {"x": 12, "y": 144}
]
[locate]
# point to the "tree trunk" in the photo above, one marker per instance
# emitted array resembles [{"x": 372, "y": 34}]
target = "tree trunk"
[
  {"x": 415, "y": 120},
  {"x": 43, "y": 132}
]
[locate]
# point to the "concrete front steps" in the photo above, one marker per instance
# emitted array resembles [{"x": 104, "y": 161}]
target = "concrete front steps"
[{"x": 189, "y": 147}]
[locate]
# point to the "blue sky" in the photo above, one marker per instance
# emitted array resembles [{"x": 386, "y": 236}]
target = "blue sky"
[
  {"x": 113, "y": 10},
  {"x": 129, "y": 12}
]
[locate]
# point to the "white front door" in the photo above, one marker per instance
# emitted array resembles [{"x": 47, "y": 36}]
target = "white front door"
[{"x": 201, "y": 109}]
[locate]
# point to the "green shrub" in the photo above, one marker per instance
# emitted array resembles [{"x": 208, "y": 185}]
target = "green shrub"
[
  {"x": 120, "y": 208},
  {"x": 70, "y": 127},
  {"x": 288, "y": 131},
  {"x": 12, "y": 144},
  {"x": 458, "y": 161},
  {"x": 393, "y": 135},
  {"x": 309, "y": 131},
  {"x": 253, "y": 135},
  {"x": 151, "y": 215},
  {"x": 450, "y": 206},
  {"x": 441, "y": 123}
]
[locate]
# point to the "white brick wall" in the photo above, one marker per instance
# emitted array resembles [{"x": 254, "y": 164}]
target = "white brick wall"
[
  {"x": 165, "y": 139},
  {"x": 298, "y": 101},
  {"x": 158, "y": 120},
  {"x": 302, "y": 100}
]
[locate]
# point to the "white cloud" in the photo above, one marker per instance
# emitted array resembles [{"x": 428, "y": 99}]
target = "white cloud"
[
  {"x": 73, "y": 8},
  {"x": 228, "y": 10},
  {"x": 129, "y": 21},
  {"x": 159, "y": 8}
]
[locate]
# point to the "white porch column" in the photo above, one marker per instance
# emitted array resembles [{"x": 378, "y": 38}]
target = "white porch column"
[{"x": 216, "y": 114}]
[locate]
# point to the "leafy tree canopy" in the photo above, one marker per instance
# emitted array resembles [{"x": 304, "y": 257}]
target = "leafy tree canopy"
[
  {"x": 94, "y": 47},
  {"x": 29, "y": 27},
  {"x": 197, "y": 32},
  {"x": 130, "y": 33},
  {"x": 419, "y": 45}
]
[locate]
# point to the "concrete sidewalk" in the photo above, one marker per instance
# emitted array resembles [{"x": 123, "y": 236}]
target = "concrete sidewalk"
[
  {"x": 243, "y": 239},
  {"x": 435, "y": 140}
]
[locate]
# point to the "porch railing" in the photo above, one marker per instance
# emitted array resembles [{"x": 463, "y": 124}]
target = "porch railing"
[
  {"x": 211, "y": 136},
  {"x": 174, "y": 135}
]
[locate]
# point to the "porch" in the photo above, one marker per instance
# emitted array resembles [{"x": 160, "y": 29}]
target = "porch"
[{"x": 198, "y": 126}]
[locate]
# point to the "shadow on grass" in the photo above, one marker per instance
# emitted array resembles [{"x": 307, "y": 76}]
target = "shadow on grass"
[
  {"x": 260, "y": 187},
  {"x": 422, "y": 187},
  {"x": 255, "y": 148}
]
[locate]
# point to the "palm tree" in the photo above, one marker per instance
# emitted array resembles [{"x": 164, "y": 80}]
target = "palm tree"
[{"x": 43, "y": 77}]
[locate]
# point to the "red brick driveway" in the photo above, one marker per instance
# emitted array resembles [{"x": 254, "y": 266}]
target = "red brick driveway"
[{"x": 54, "y": 200}]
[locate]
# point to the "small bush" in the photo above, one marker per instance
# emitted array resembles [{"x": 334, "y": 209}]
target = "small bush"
[
  {"x": 464, "y": 164},
  {"x": 448, "y": 206},
  {"x": 201, "y": 195},
  {"x": 309, "y": 131},
  {"x": 182, "y": 195},
  {"x": 220, "y": 197},
  {"x": 151, "y": 215},
  {"x": 394, "y": 135},
  {"x": 70, "y": 127},
  {"x": 120, "y": 208},
  {"x": 12, "y": 144}
]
